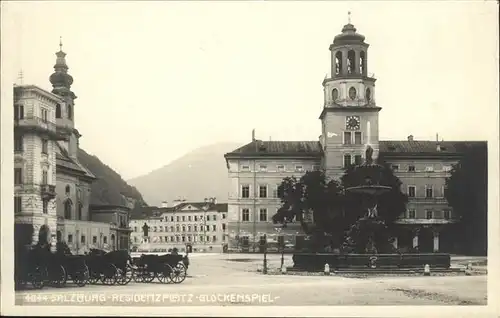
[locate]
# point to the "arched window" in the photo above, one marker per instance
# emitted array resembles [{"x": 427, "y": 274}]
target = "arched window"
[
  {"x": 335, "y": 94},
  {"x": 68, "y": 189},
  {"x": 368, "y": 95},
  {"x": 67, "y": 209},
  {"x": 362, "y": 60},
  {"x": 338, "y": 62},
  {"x": 70, "y": 112},
  {"x": 58, "y": 111},
  {"x": 80, "y": 211},
  {"x": 183, "y": 228},
  {"x": 178, "y": 228},
  {"x": 351, "y": 57}
]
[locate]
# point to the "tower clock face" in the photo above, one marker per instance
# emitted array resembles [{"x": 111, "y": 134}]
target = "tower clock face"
[
  {"x": 352, "y": 122},
  {"x": 352, "y": 93}
]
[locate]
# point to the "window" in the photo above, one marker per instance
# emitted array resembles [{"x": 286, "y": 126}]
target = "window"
[
  {"x": 411, "y": 168},
  {"x": 214, "y": 217},
  {"x": 70, "y": 238},
  {"x": 183, "y": 238},
  {"x": 316, "y": 167},
  {"x": 18, "y": 175},
  {"x": 67, "y": 210},
  {"x": 45, "y": 114},
  {"x": 45, "y": 177},
  {"x": 428, "y": 214},
  {"x": 245, "y": 191},
  {"x": 428, "y": 192},
  {"x": 223, "y": 215},
  {"x": 263, "y": 168},
  {"x": 18, "y": 112},
  {"x": 214, "y": 238},
  {"x": 189, "y": 218},
  {"x": 445, "y": 191},
  {"x": 357, "y": 159},
  {"x": 177, "y": 218},
  {"x": 105, "y": 240},
  {"x": 58, "y": 111},
  {"x": 347, "y": 138},
  {"x": 171, "y": 219},
  {"x": 189, "y": 238},
  {"x": 67, "y": 190},
  {"x": 223, "y": 226},
  {"x": 262, "y": 191},
  {"x": 263, "y": 215},
  {"x": 177, "y": 238},
  {"x": 70, "y": 112},
  {"x": 195, "y": 228},
  {"x": 189, "y": 228},
  {"x": 281, "y": 168},
  {"x": 183, "y": 228},
  {"x": 412, "y": 214},
  {"x": 18, "y": 143},
  {"x": 208, "y": 238},
  {"x": 395, "y": 167},
  {"x": 245, "y": 215},
  {"x": 214, "y": 228},
  {"x": 447, "y": 214},
  {"x": 299, "y": 168},
  {"x": 245, "y": 168},
  {"x": 45, "y": 206},
  {"x": 347, "y": 161},
  {"x": 357, "y": 138},
  {"x": 208, "y": 217},
  {"x": 412, "y": 191},
  {"x": 177, "y": 228},
  {"x": 17, "y": 204},
  {"x": 80, "y": 213},
  {"x": 429, "y": 169},
  {"x": 82, "y": 239},
  {"x": 446, "y": 168},
  {"x": 183, "y": 218}
]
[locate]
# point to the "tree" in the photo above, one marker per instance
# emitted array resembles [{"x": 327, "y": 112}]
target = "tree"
[
  {"x": 311, "y": 195},
  {"x": 467, "y": 193}
]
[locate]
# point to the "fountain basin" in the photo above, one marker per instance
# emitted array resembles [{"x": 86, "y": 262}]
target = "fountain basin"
[
  {"x": 373, "y": 190},
  {"x": 316, "y": 261}
]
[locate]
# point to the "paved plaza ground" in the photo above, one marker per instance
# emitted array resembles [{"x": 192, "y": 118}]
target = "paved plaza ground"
[{"x": 232, "y": 279}]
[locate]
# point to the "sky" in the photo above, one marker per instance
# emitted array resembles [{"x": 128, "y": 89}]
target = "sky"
[{"x": 156, "y": 80}]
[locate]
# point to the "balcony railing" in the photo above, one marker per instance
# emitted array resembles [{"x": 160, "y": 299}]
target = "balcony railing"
[
  {"x": 348, "y": 102},
  {"x": 48, "y": 191},
  {"x": 38, "y": 124}
]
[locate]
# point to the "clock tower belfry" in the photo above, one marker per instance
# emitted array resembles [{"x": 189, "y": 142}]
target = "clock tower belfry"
[{"x": 350, "y": 114}]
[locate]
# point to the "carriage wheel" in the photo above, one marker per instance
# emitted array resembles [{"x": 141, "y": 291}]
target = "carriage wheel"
[
  {"x": 109, "y": 275},
  {"x": 124, "y": 277},
  {"x": 38, "y": 277},
  {"x": 57, "y": 276},
  {"x": 164, "y": 275},
  {"x": 81, "y": 277},
  {"x": 178, "y": 274},
  {"x": 147, "y": 276},
  {"x": 137, "y": 274}
]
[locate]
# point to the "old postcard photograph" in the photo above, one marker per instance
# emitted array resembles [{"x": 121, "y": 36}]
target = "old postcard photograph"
[{"x": 250, "y": 158}]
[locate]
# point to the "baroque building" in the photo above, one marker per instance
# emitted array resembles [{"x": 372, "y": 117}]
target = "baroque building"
[
  {"x": 52, "y": 188},
  {"x": 187, "y": 226},
  {"x": 349, "y": 122}
]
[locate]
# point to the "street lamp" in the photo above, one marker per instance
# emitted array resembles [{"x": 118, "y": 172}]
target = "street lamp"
[
  {"x": 264, "y": 269},
  {"x": 278, "y": 230}
]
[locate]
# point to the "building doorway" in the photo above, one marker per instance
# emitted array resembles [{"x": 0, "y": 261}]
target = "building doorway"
[
  {"x": 43, "y": 235},
  {"x": 426, "y": 241}
]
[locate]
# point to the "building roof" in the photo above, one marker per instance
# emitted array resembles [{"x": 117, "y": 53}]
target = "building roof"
[
  {"x": 278, "y": 148},
  {"x": 64, "y": 160},
  {"x": 389, "y": 148},
  {"x": 151, "y": 212}
]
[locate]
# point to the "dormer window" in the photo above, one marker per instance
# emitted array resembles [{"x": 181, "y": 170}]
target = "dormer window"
[{"x": 245, "y": 168}]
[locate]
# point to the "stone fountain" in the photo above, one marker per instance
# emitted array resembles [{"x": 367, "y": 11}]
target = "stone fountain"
[{"x": 368, "y": 246}]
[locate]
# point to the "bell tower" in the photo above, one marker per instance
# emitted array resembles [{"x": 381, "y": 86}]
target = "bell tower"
[
  {"x": 350, "y": 114},
  {"x": 65, "y": 116}
]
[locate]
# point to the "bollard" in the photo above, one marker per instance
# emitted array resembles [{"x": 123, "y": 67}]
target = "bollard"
[
  {"x": 327, "y": 269},
  {"x": 283, "y": 269},
  {"x": 468, "y": 269},
  {"x": 427, "y": 270}
]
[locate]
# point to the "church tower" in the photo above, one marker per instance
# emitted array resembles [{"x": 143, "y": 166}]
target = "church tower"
[
  {"x": 65, "y": 118},
  {"x": 350, "y": 115}
]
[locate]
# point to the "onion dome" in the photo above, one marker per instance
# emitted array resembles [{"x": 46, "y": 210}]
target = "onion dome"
[
  {"x": 60, "y": 77},
  {"x": 349, "y": 35}
]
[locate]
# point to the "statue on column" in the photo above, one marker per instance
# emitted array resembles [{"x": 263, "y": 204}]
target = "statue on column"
[{"x": 145, "y": 230}]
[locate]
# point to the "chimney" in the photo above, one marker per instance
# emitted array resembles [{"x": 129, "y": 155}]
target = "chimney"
[
  {"x": 410, "y": 138},
  {"x": 253, "y": 134},
  {"x": 164, "y": 204}
]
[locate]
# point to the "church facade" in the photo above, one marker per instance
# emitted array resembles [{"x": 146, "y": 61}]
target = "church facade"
[
  {"x": 52, "y": 189},
  {"x": 349, "y": 120}
]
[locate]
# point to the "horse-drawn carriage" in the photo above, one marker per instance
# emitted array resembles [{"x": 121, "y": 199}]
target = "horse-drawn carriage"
[
  {"x": 110, "y": 268},
  {"x": 39, "y": 266},
  {"x": 166, "y": 268}
]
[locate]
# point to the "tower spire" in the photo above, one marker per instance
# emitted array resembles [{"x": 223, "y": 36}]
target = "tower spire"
[
  {"x": 349, "y": 17},
  {"x": 60, "y": 43}
]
